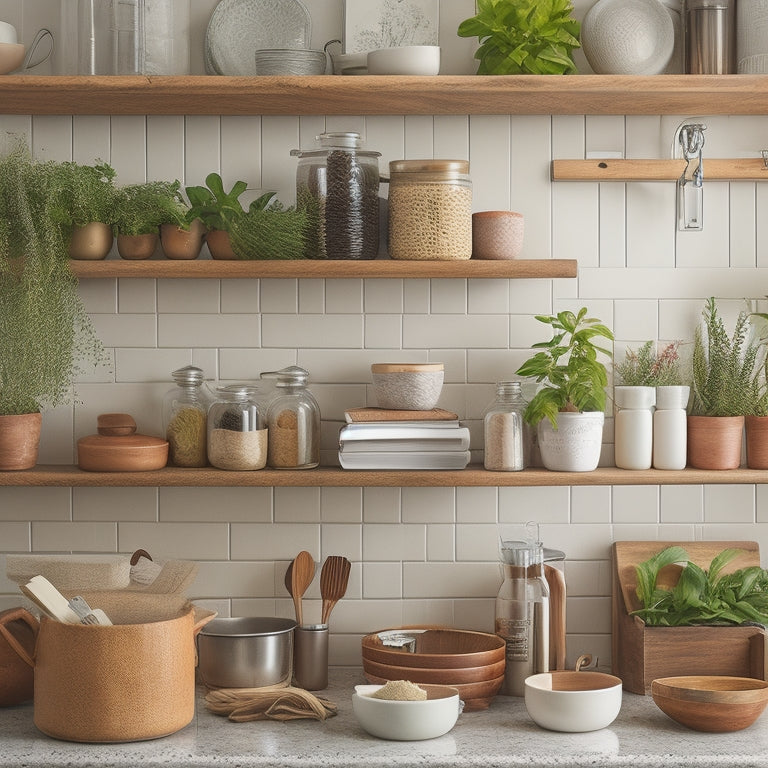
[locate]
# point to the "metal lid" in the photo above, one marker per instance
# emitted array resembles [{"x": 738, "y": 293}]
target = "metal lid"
[
  {"x": 429, "y": 166},
  {"x": 287, "y": 377},
  {"x": 237, "y": 391},
  {"x": 335, "y": 140},
  {"x": 190, "y": 374}
]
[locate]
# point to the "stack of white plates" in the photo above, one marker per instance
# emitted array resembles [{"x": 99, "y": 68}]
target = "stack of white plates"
[{"x": 289, "y": 61}]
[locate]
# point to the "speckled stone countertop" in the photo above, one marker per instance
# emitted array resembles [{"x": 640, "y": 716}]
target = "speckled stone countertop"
[{"x": 501, "y": 736}]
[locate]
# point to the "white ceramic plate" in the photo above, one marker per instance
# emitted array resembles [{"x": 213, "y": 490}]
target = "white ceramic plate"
[{"x": 238, "y": 28}]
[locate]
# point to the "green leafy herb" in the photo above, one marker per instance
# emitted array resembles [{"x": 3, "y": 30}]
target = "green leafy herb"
[
  {"x": 269, "y": 231},
  {"x": 523, "y": 36},
  {"x": 701, "y": 597},
  {"x": 645, "y": 367},
  {"x": 213, "y": 205},
  {"x": 141, "y": 208}
]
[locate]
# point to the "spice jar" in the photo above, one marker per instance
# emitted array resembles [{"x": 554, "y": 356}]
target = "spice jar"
[
  {"x": 430, "y": 210},
  {"x": 294, "y": 423},
  {"x": 337, "y": 184},
  {"x": 185, "y": 409},
  {"x": 507, "y": 443},
  {"x": 237, "y": 439}
]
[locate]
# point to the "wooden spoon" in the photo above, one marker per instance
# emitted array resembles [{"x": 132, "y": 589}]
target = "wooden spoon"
[
  {"x": 333, "y": 583},
  {"x": 302, "y": 572},
  {"x": 556, "y": 581}
]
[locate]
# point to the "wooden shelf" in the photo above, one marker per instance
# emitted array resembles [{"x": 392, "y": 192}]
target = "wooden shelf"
[
  {"x": 377, "y": 268},
  {"x": 723, "y": 169},
  {"x": 377, "y": 95},
  {"x": 57, "y": 475}
]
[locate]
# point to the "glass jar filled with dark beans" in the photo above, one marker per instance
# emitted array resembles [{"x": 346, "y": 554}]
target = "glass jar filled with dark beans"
[{"x": 337, "y": 184}]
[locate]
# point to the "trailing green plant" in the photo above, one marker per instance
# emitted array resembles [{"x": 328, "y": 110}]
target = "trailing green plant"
[
  {"x": 213, "y": 205},
  {"x": 701, "y": 596},
  {"x": 47, "y": 335},
  {"x": 270, "y": 231},
  {"x": 523, "y": 36},
  {"x": 645, "y": 367},
  {"x": 573, "y": 378},
  {"x": 141, "y": 208},
  {"x": 81, "y": 194},
  {"x": 726, "y": 379}
]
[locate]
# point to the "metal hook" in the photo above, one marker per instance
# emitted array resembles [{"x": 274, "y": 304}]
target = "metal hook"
[{"x": 690, "y": 196}]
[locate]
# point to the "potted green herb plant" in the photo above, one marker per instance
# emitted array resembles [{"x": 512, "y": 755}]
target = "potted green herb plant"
[
  {"x": 568, "y": 409},
  {"x": 218, "y": 210},
  {"x": 46, "y": 333},
  {"x": 270, "y": 231},
  {"x": 523, "y": 36}
]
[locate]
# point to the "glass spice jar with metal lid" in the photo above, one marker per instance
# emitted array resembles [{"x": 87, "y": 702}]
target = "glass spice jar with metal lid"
[
  {"x": 237, "y": 438},
  {"x": 430, "y": 210},
  {"x": 506, "y": 436},
  {"x": 185, "y": 413},
  {"x": 293, "y": 421},
  {"x": 337, "y": 184}
]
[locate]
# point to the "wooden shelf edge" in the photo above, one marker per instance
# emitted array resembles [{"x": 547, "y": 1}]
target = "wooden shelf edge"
[
  {"x": 386, "y": 95},
  {"x": 55, "y": 475},
  {"x": 376, "y": 268},
  {"x": 627, "y": 169}
]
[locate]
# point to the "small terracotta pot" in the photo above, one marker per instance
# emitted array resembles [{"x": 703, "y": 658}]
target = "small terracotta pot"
[
  {"x": 714, "y": 442},
  {"x": 757, "y": 441},
  {"x": 91, "y": 243},
  {"x": 219, "y": 245},
  {"x": 497, "y": 234},
  {"x": 137, "y": 247},
  {"x": 19, "y": 440},
  {"x": 181, "y": 243}
]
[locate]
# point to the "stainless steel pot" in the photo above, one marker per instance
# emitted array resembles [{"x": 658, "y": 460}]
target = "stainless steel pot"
[{"x": 248, "y": 652}]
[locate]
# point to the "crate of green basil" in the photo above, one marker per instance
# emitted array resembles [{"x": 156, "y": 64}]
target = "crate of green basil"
[{"x": 642, "y": 652}]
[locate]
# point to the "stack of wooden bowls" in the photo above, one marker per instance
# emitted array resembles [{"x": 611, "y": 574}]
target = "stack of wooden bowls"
[{"x": 472, "y": 662}]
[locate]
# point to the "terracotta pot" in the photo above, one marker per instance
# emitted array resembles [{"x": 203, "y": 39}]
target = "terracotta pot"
[
  {"x": 19, "y": 440},
  {"x": 91, "y": 243},
  {"x": 219, "y": 245},
  {"x": 136, "y": 247},
  {"x": 497, "y": 234},
  {"x": 181, "y": 243},
  {"x": 714, "y": 442},
  {"x": 757, "y": 441}
]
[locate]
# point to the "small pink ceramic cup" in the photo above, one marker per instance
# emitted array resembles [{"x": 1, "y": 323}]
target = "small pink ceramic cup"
[{"x": 497, "y": 234}]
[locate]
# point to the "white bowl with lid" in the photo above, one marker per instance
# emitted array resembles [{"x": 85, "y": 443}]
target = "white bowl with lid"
[{"x": 407, "y": 386}]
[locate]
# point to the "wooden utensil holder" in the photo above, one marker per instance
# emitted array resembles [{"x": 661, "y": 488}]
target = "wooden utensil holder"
[{"x": 642, "y": 654}]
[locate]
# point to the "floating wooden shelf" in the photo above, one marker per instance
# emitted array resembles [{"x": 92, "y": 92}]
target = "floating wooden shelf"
[
  {"x": 376, "y": 95},
  {"x": 377, "y": 268},
  {"x": 57, "y": 475},
  {"x": 736, "y": 169}
]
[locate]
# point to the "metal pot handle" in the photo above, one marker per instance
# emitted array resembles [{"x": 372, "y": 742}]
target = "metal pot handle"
[{"x": 15, "y": 614}]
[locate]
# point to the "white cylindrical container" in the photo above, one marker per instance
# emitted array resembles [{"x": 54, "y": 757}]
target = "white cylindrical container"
[
  {"x": 752, "y": 37},
  {"x": 670, "y": 439},
  {"x": 633, "y": 438}
]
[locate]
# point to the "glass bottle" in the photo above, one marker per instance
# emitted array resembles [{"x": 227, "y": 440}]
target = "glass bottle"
[
  {"x": 185, "y": 410},
  {"x": 506, "y": 435},
  {"x": 237, "y": 438},
  {"x": 294, "y": 423}
]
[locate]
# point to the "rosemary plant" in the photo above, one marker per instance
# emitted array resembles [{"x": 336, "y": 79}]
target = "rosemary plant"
[
  {"x": 269, "y": 231},
  {"x": 645, "y": 367},
  {"x": 141, "y": 208}
]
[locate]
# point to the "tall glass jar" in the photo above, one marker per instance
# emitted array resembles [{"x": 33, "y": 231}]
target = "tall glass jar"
[
  {"x": 185, "y": 410},
  {"x": 237, "y": 439},
  {"x": 294, "y": 423},
  {"x": 430, "y": 210},
  {"x": 337, "y": 184},
  {"x": 506, "y": 435}
]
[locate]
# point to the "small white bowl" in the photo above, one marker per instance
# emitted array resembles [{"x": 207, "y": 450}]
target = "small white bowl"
[
  {"x": 11, "y": 57},
  {"x": 407, "y": 386},
  {"x": 407, "y": 720},
  {"x": 405, "y": 60},
  {"x": 573, "y": 702}
]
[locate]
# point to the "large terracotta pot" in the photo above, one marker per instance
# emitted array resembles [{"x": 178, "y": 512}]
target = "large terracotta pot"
[
  {"x": 136, "y": 247},
  {"x": 181, "y": 243},
  {"x": 757, "y": 441},
  {"x": 219, "y": 245},
  {"x": 91, "y": 242},
  {"x": 19, "y": 440},
  {"x": 576, "y": 443},
  {"x": 714, "y": 442}
]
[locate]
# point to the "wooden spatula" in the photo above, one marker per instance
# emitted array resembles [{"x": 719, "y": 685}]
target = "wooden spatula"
[
  {"x": 302, "y": 572},
  {"x": 333, "y": 583}
]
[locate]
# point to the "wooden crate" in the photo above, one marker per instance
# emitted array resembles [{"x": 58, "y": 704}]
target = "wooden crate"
[{"x": 641, "y": 654}]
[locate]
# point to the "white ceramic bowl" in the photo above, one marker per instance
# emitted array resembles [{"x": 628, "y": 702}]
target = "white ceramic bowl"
[
  {"x": 289, "y": 61},
  {"x": 407, "y": 720},
  {"x": 407, "y": 386},
  {"x": 11, "y": 57},
  {"x": 573, "y": 702},
  {"x": 406, "y": 60}
]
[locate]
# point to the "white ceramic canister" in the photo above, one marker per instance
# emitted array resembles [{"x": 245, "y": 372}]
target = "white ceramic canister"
[
  {"x": 633, "y": 427},
  {"x": 670, "y": 435}
]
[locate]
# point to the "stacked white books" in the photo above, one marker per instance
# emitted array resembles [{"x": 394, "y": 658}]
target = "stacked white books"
[{"x": 378, "y": 439}]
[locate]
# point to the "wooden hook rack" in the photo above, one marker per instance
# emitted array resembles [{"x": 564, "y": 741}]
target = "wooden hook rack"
[{"x": 610, "y": 169}]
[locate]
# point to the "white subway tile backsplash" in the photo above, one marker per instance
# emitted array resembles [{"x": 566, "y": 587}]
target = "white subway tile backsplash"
[
  {"x": 588, "y": 615},
  {"x": 543, "y": 505},
  {"x": 52, "y": 137},
  {"x": 729, "y": 504},
  {"x": 226, "y": 505},
  {"x": 636, "y": 504},
  {"x": 341, "y": 539},
  {"x": 341, "y": 505},
  {"x": 340, "y": 331},
  {"x": 186, "y": 541},
  {"x": 233, "y": 580},
  {"x": 27, "y": 504},
  {"x": 383, "y": 332},
  {"x": 425, "y": 331},
  {"x": 381, "y": 505},
  {"x": 185, "y": 296},
  {"x": 382, "y": 542},
  {"x": 441, "y": 544},
  {"x": 76, "y": 537},
  {"x": 275, "y": 541},
  {"x": 476, "y": 505},
  {"x": 165, "y": 148},
  {"x": 436, "y": 580},
  {"x": 591, "y": 504},
  {"x": 91, "y": 142},
  {"x": 126, "y": 330},
  {"x": 636, "y": 320},
  {"x": 199, "y": 330},
  {"x": 476, "y": 542},
  {"x": 681, "y": 504},
  {"x": 129, "y": 148},
  {"x": 16, "y": 537},
  {"x": 428, "y": 505},
  {"x": 202, "y": 153},
  {"x": 115, "y": 504},
  {"x": 382, "y": 581},
  {"x": 135, "y": 296},
  {"x": 297, "y": 505}
]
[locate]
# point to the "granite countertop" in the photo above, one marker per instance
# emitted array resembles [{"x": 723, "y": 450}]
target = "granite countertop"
[{"x": 501, "y": 736}]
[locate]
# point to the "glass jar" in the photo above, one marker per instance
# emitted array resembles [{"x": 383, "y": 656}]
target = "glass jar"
[
  {"x": 294, "y": 423},
  {"x": 430, "y": 210},
  {"x": 185, "y": 409},
  {"x": 506, "y": 435},
  {"x": 337, "y": 184},
  {"x": 237, "y": 438}
]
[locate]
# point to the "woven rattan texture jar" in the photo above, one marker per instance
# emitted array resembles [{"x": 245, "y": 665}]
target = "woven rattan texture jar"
[{"x": 430, "y": 210}]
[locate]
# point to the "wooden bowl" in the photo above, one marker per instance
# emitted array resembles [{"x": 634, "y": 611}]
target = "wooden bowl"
[
  {"x": 450, "y": 676},
  {"x": 131, "y": 453},
  {"x": 715, "y": 704},
  {"x": 437, "y": 648}
]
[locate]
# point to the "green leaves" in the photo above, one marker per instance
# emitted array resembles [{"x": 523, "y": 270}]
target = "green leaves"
[
  {"x": 213, "y": 205},
  {"x": 141, "y": 208},
  {"x": 567, "y": 365},
  {"x": 701, "y": 597},
  {"x": 523, "y": 36}
]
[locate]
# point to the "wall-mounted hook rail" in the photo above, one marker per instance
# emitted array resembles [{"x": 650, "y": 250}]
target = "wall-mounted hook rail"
[{"x": 610, "y": 169}]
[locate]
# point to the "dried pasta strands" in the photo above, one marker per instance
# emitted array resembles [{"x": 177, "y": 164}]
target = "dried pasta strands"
[{"x": 275, "y": 702}]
